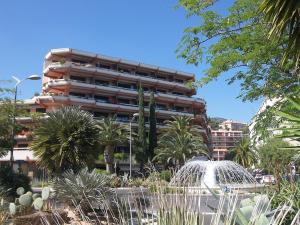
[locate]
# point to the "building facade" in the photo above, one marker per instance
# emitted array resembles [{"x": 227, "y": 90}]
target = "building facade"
[
  {"x": 225, "y": 138},
  {"x": 107, "y": 86}
]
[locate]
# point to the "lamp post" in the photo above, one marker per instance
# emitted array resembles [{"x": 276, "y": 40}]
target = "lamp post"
[
  {"x": 130, "y": 143},
  {"x": 18, "y": 82}
]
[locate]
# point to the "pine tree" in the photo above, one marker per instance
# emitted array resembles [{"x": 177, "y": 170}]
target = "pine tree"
[
  {"x": 141, "y": 139},
  {"x": 152, "y": 128}
]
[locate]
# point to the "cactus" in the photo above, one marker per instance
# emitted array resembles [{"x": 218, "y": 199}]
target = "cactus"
[
  {"x": 28, "y": 201},
  {"x": 29, "y": 193},
  {"x": 12, "y": 209},
  {"x": 38, "y": 203},
  {"x": 35, "y": 196},
  {"x": 20, "y": 191},
  {"x": 25, "y": 200},
  {"x": 45, "y": 193}
]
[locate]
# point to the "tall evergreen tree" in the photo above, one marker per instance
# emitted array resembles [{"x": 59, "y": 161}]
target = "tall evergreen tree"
[
  {"x": 141, "y": 139},
  {"x": 152, "y": 137}
]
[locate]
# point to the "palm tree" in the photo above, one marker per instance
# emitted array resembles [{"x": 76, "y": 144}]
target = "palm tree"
[
  {"x": 290, "y": 114},
  {"x": 112, "y": 134},
  {"x": 284, "y": 16},
  {"x": 67, "y": 139},
  {"x": 179, "y": 142},
  {"x": 243, "y": 154}
]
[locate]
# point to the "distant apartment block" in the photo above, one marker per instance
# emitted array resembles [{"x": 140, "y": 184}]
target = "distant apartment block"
[
  {"x": 225, "y": 138},
  {"x": 107, "y": 86}
]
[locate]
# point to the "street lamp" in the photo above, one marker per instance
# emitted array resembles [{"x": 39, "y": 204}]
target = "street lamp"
[
  {"x": 18, "y": 82},
  {"x": 130, "y": 143}
]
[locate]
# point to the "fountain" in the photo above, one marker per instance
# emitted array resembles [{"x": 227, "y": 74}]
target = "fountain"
[{"x": 201, "y": 173}]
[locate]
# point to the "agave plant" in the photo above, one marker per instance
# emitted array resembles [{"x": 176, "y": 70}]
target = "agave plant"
[{"x": 85, "y": 189}]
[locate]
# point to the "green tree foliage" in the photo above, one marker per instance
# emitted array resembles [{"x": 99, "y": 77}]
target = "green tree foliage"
[
  {"x": 214, "y": 123},
  {"x": 242, "y": 153},
  {"x": 6, "y": 125},
  {"x": 111, "y": 134},
  {"x": 152, "y": 137},
  {"x": 284, "y": 15},
  {"x": 280, "y": 197},
  {"x": 10, "y": 181},
  {"x": 179, "y": 142},
  {"x": 141, "y": 143},
  {"x": 67, "y": 139},
  {"x": 275, "y": 155},
  {"x": 237, "y": 42}
]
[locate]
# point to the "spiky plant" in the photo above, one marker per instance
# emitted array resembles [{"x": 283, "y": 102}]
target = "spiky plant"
[
  {"x": 111, "y": 134},
  {"x": 67, "y": 139},
  {"x": 290, "y": 115},
  {"x": 85, "y": 189}
]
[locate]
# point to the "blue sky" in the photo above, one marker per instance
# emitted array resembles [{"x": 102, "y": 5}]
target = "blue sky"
[{"x": 140, "y": 30}]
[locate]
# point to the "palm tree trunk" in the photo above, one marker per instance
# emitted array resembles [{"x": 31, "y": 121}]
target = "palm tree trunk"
[{"x": 109, "y": 158}]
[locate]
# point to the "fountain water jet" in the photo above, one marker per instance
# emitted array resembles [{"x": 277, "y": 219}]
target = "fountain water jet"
[{"x": 213, "y": 174}]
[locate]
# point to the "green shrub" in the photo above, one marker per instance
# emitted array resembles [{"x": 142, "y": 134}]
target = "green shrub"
[
  {"x": 9, "y": 180},
  {"x": 165, "y": 175},
  {"x": 283, "y": 195}
]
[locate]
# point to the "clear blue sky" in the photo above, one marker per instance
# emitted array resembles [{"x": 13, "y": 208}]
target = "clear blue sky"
[{"x": 141, "y": 30}]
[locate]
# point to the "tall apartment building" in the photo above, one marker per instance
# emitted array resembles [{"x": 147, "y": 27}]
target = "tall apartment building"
[
  {"x": 108, "y": 86},
  {"x": 225, "y": 138}
]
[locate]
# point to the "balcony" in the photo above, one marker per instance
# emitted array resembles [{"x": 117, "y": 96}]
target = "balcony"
[
  {"x": 114, "y": 89},
  {"x": 88, "y": 68},
  {"x": 102, "y": 104}
]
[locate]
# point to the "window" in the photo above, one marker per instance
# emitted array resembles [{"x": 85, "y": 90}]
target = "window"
[
  {"x": 122, "y": 70},
  {"x": 77, "y": 78},
  {"x": 122, "y": 117},
  {"x": 122, "y": 85},
  {"x": 22, "y": 145},
  {"x": 161, "y": 91},
  {"x": 142, "y": 73},
  {"x": 101, "y": 82},
  {"x": 179, "y": 80},
  {"x": 40, "y": 110},
  {"x": 161, "y": 106},
  {"x": 161, "y": 78},
  {"x": 79, "y": 61},
  {"x": 99, "y": 98},
  {"x": 123, "y": 101},
  {"x": 103, "y": 66},
  {"x": 100, "y": 114},
  {"x": 179, "y": 108},
  {"x": 178, "y": 93},
  {"x": 81, "y": 95}
]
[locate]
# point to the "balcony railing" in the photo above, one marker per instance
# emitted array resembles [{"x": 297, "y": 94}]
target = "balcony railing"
[
  {"x": 68, "y": 63},
  {"x": 129, "y": 89}
]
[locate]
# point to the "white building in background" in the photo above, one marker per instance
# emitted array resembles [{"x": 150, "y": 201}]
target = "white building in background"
[{"x": 256, "y": 139}]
